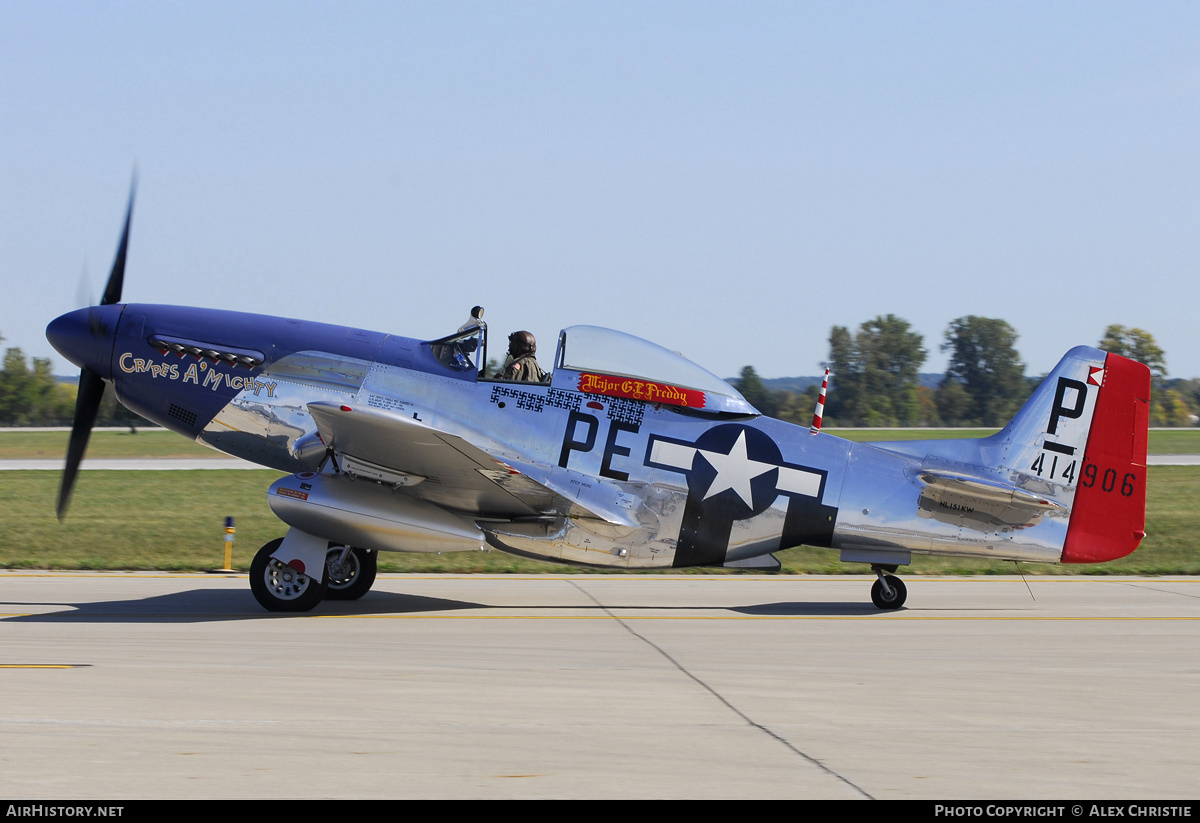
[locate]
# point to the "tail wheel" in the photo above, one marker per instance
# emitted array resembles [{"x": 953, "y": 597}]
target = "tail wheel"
[
  {"x": 891, "y": 596},
  {"x": 280, "y": 588},
  {"x": 353, "y": 578}
]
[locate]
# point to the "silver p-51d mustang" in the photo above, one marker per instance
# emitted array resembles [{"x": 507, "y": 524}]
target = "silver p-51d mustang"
[{"x": 631, "y": 456}]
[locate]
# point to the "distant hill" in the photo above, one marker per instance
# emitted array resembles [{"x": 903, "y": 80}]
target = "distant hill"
[{"x": 930, "y": 380}]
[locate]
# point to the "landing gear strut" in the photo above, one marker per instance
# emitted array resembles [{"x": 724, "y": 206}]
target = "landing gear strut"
[
  {"x": 280, "y": 588},
  {"x": 888, "y": 592},
  {"x": 350, "y": 572}
]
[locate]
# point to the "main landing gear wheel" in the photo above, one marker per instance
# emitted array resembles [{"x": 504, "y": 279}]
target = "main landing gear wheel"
[
  {"x": 353, "y": 578},
  {"x": 280, "y": 588},
  {"x": 889, "y": 592}
]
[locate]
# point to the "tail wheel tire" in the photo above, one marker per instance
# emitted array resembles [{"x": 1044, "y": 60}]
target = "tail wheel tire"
[
  {"x": 352, "y": 579},
  {"x": 889, "y": 600},
  {"x": 280, "y": 588}
]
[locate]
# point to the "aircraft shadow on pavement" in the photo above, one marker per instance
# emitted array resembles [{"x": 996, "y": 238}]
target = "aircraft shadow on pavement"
[
  {"x": 830, "y": 608},
  {"x": 207, "y": 605}
]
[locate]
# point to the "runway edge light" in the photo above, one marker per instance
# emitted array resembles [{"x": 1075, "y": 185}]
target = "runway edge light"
[{"x": 230, "y": 530}]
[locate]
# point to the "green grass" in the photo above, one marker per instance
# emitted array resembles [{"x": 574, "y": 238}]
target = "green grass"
[
  {"x": 174, "y": 520},
  {"x": 1169, "y": 441},
  {"x": 170, "y": 520},
  {"x": 1170, "y": 545},
  {"x": 1175, "y": 441},
  {"x": 18, "y": 445}
]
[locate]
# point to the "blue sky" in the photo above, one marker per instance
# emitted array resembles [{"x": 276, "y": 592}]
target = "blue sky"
[{"x": 726, "y": 179}]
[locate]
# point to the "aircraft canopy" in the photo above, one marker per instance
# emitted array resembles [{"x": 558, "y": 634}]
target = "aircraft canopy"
[{"x": 656, "y": 374}]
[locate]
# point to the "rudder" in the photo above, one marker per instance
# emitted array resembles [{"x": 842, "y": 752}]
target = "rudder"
[{"x": 1108, "y": 518}]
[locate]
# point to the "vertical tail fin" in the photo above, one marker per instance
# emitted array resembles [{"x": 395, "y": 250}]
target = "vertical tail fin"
[
  {"x": 1076, "y": 449},
  {"x": 1084, "y": 432}
]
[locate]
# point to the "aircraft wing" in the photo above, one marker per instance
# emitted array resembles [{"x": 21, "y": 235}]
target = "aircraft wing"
[{"x": 440, "y": 467}]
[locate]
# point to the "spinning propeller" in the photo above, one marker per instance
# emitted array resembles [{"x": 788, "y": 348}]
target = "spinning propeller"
[{"x": 91, "y": 383}]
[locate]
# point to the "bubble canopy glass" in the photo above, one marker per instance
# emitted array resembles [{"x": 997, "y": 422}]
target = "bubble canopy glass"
[{"x": 595, "y": 350}]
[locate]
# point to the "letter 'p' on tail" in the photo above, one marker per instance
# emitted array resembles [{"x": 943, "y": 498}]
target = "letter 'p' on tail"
[{"x": 1108, "y": 518}]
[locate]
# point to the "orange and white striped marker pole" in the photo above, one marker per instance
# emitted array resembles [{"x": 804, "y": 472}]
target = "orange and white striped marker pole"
[{"x": 820, "y": 412}]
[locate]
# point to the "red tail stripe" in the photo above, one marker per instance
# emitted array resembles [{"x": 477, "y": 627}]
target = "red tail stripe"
[{"x": 1108, "y": 519}]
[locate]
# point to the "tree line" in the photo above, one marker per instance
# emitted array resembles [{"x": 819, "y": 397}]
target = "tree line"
[
  {"x": 30, "y": 395},
  {"x": 874, "y": 381},
  {"x": 875, "y": 371}
]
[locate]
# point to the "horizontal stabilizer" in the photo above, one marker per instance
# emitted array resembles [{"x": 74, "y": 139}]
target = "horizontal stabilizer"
[
  {"x": 987, "y": 489},
  {"x": 983, "y": 504}
]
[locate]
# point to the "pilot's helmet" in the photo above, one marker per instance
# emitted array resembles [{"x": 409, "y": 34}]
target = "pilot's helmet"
[{"x": 521, "y": 342}]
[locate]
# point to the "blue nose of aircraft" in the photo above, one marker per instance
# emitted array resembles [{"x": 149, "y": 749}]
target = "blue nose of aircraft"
[{"x": 86, "y": 337}]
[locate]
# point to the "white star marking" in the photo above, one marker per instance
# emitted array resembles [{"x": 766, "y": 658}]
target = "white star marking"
[
  {"x": 735, "y": 470},
  {"x": 679, "y": 456}
]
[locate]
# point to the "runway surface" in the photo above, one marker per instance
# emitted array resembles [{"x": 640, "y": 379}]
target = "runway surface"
[{"x": 156, "y": 685}]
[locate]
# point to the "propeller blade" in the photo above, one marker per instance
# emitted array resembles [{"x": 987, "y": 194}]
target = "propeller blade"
[
  {"x": 91, "y": 384},
  {"x": 85, "y": 299},
  {"x": 87, "y": 405},
  {"x": 83, "y": 290},
  {"x": 116, "y": 278}
]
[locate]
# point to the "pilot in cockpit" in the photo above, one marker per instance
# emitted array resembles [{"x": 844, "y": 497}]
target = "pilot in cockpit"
[{"x": 521, "y": 363}]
